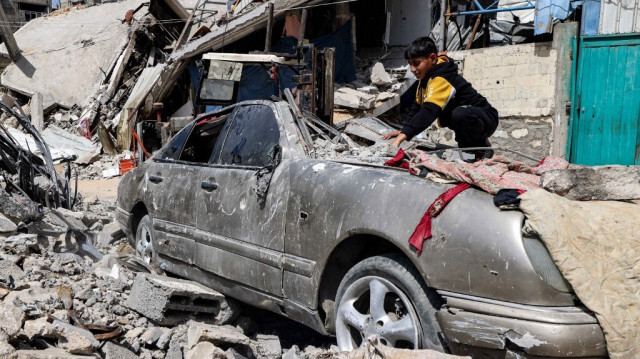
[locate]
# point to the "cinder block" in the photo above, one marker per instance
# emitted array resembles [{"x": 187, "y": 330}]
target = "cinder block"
[{"x": 170, "y": 301}]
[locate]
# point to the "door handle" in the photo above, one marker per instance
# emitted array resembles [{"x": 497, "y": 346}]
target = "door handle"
[
  {"x": 155, "y": 179},
  {"x": 209, "y": 186}
]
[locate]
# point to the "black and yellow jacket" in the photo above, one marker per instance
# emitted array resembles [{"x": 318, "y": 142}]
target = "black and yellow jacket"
[{"x": 438, "y": 95}]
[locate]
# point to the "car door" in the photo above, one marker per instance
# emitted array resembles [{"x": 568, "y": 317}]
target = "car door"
[
  {"x": 241, "y": 231},
  {"x": 172, "y": 178}
]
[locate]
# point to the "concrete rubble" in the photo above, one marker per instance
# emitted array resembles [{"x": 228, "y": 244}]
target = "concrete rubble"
[
  {"x": 600, "y": 183},
  {"x": 374, "y": 93}
]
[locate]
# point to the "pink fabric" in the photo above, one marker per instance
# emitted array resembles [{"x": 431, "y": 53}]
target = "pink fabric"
[
  {"x": 423, "y": 230},
  {"x": 491, "y": 175}
]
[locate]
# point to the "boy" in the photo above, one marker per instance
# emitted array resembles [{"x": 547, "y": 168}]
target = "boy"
[{"x": 444, "y": 95}]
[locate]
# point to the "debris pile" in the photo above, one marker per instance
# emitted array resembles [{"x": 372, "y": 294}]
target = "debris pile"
[
  {"x": 71, "y": 285},
  {"x": 373, "y": 93}
]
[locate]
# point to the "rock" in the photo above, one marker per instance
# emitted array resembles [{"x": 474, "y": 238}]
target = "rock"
[
  {"x": 351, "y": 98},
  {"x": 78, "y": 343},
  {"x": 292, "y": 353},
  {"x": 6, "y": 349},
  {"x": 384, "y": 96},
  {"x": 88, "y": 158},
  {"x": 163, "y": 341},
  {"x": 268, "y": 346},
  {"x": 371, "y": 90},
  {"x": 200, "y": 332},
  {"x": 7, "y": 226},
  {"x": 125, "y": 249},
  {"x": 84, "y": 294},
  {"x": 49, "y": 225},
  {"x": 89, "y": 218},
  {"x": 50, "y": 353},
  {"x": 18, "y": 209},
  {"x": 21, "y": 244},
  {"x": 205, "y": 350},
  {"x": 169, "y": 301},
  {"x": 79, "y": 340},
  {"x": 38, "y": 328},
  {"x": 151, "y": 335},
  {"x": 66, "y": 295},
  {"x": 71, "y": 218},
  {"x": 109, "y": 234},
  {"x": 379, "y": 75},
  {"x": 11, "y": 318},
  {"x": 133, "y": 334},
  {"x": 177, "y": 343},
  {"x": 10, "y": 274},
  {"x": 4, "y": 292},
  {"x": 111, "y": 350},
  {"x": 600, "y": 183}
]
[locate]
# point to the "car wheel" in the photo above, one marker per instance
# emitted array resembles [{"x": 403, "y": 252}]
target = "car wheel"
[
  {"x": 385, "y": 296},
  {"x": 144, "y": 239}
]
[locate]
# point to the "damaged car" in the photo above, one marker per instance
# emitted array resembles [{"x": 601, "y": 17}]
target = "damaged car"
[{"x": 241, "y": 201}]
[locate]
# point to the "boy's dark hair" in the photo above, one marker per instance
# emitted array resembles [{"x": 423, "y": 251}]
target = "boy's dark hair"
[{"x": 420, "y": 47}]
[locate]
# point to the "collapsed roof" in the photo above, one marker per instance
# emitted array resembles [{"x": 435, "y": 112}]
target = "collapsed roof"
[{"x": 70, "y": 63}]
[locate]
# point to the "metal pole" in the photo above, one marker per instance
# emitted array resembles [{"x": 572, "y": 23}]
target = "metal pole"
[
  {"x": 267, "y": 40},
  {"x": 443, "y": 27}
]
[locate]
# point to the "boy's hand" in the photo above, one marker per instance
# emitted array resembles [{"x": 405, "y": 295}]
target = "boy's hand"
[
  {"x": 391, "y": 134},
  {"x": 399, "y": 139}
]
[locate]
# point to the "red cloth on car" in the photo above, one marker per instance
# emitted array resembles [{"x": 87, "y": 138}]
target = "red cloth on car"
[
  {"x": 399, "y": 161},
  {"x": 423, "y": 230}
]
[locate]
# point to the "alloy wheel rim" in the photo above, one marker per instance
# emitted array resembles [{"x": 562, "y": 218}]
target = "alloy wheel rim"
[
  {"x": 375, "y": 306},
  {"x": 144, "y": 245}
]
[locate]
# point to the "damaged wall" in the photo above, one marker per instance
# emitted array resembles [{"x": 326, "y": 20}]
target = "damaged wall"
[{"x": 529, "y": 85}]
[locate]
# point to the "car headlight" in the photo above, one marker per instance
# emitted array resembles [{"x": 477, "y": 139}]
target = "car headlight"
[{"x": 543, "y": 264}]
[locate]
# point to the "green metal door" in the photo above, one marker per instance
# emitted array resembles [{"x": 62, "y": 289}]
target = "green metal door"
[{"x": 605, "y": 123}]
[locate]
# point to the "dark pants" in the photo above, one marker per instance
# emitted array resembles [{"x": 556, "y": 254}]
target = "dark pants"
[{"x": 473, "y": 125}]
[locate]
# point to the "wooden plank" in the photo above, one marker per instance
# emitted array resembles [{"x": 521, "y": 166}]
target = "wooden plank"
[{"x": 7, "y": 37}]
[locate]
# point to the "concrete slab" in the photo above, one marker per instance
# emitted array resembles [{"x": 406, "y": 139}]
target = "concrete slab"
[
  {"x": 67, "y": 56},
  {"x": 67, "y": 143},
  {"x": 350, "y": 98}
]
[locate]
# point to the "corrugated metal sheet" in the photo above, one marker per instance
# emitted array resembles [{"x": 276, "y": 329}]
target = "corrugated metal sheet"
[{"x": 619, "y": 16}]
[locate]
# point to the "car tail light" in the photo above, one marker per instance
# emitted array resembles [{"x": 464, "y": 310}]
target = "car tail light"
[{"x": 543, "y": 264}]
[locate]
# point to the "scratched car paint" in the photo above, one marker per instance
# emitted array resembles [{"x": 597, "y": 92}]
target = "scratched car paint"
[{"x": 240, "y": 201}]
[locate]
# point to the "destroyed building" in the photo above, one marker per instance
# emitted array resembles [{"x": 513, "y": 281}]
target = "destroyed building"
[
  {"x": 154, "y": 74},
  {"x": 126, "y": 76}
]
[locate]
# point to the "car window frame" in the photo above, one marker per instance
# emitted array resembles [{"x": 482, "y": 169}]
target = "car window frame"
[
  {"x": 231, "y": 117},
  {"x": 275, "y": 113}
]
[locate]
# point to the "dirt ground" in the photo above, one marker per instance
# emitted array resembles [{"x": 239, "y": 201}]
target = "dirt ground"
[{"x": 103, "y": 189}]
